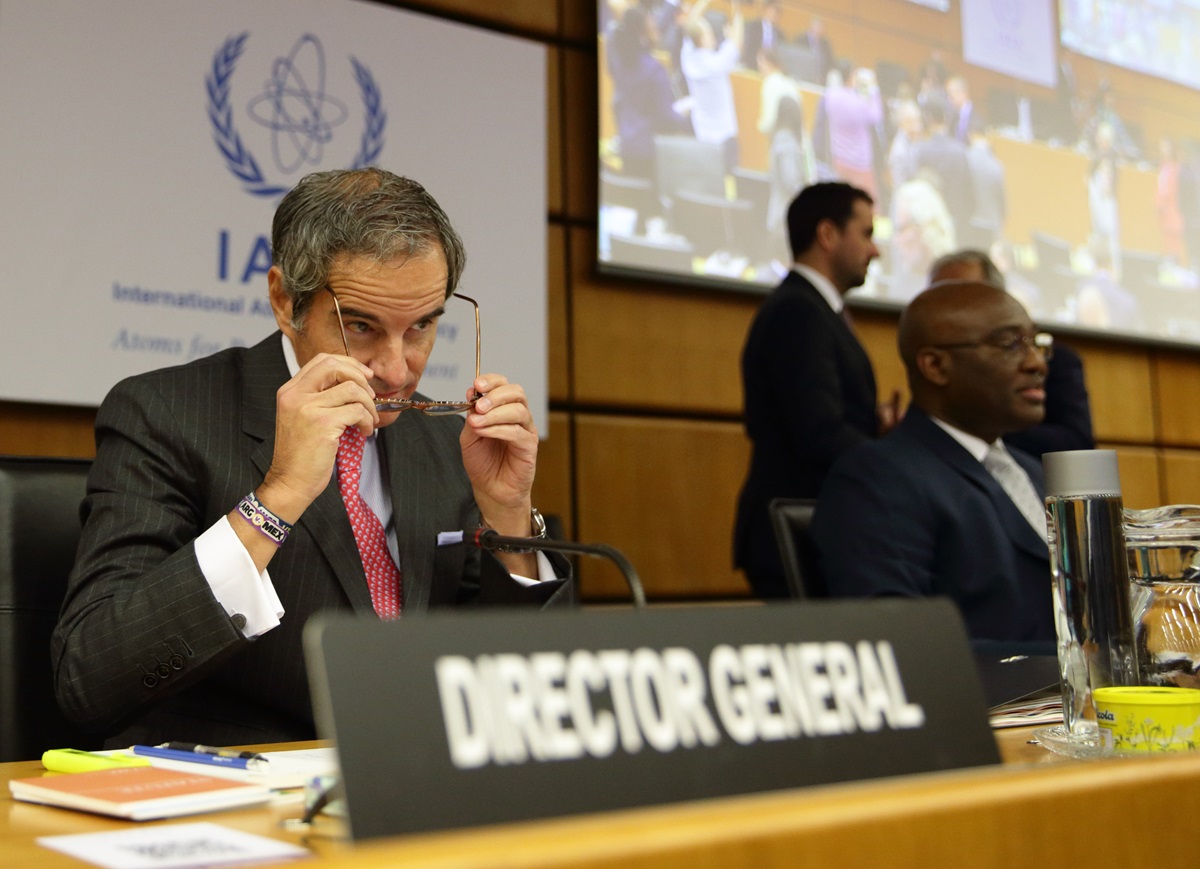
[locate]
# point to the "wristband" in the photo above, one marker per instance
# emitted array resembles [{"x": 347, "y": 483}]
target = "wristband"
[
  {"x": 253, "y": 511},
  {"x": 539, "y": 533}
]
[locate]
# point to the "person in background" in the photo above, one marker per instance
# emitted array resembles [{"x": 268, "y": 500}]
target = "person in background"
[
  {"x": 1104, "y": 114},
  {"x": 1067, "y": 422},
  {"x": 989, "y": 196},
  {"x": 961, "y": 117},
  {"x": 1166, "y": 200},
  {"x": 642, "y": 97},
  {"x": 808, "y": 388},
  {"x": 901, "y": 157},
  {"x": 818, "y": 43},
  {"x": 941, "y": 507},
  {"x": 787, "y": 172},
  {"x": 1103, "y": 205},
  {"x": 763, "y": 33},
  {"x": 293, "y": 454},
  {"x": 942, "y": 160},
  {"x": 921, "y": 232},
  {"x": 707, "y": 62},
  {"x": 855, "y": 113},
  {"x": 776, "y": 85}
]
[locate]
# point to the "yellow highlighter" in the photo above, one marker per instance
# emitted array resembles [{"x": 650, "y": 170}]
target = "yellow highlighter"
[{"x": 74, "y": 760}]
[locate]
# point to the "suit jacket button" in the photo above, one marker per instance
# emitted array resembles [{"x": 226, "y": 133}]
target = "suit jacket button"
[
  {"x": 239, "y": 621},
  {"x": 150, "y": 680}
]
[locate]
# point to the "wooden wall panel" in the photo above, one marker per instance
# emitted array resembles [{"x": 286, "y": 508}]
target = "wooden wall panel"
[
  {"x": 1180, "y": 472},
  {"x": 663, "y": 492},
  {"x": 1141, "y": 486},
  {"x": 640, "y": 344},
  {"x": 555, "y": 194},
  {"x": 1177, "y": 397},
  {"x": 1119, "y": 382},
  {"x": 558, "y": 375},
  {"x": 46, "y": 430},
  {"x": 533, "y": 16},
  {"x": 578, "y": 22},
  {"x": 552, "y": 488},
  {"x": 582, "y": 134},
  {"x": 877, "y": 332}
]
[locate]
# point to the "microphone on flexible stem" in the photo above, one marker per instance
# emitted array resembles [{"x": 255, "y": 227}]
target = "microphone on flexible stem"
[{"x": 486, "y": 538}]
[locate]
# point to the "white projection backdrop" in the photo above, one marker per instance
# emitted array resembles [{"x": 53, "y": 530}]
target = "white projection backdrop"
[{"x": 144, "y": 146}]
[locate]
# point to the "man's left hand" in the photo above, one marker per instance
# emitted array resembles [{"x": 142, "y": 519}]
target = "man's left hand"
[{"x": 499, "y": 448}]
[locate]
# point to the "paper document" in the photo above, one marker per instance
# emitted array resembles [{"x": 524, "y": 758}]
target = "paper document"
[{"x": 172, "y": 846}]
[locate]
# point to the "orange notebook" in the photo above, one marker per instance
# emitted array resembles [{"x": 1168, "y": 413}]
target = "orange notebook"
[{"x": 138, "y": 792}]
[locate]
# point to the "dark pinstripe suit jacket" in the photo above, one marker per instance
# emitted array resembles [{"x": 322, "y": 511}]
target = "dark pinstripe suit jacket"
[{"x": 143, "y": 646}]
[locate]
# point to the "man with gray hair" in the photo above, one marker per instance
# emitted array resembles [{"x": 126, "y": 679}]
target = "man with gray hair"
[{"x": 311, "y": 453}]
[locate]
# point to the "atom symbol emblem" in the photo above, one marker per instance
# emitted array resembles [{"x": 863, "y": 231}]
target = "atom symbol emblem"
[
  {"x": 295, "y": 108},
  {"x": 300, "y": 118}
]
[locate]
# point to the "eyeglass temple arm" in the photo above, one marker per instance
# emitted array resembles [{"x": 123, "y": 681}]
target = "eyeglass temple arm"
[{"x": 478, "y": 344}]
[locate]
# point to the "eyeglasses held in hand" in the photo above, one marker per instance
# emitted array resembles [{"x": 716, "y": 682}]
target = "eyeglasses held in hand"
[
  {"x": 1014, "y": 347},
  {"x": 433, "y": 408}
]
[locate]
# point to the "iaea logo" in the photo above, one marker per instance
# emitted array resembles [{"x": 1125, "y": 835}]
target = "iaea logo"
[{"x": 301, "y": 118}]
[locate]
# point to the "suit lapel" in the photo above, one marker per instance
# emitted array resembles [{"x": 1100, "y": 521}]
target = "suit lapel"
[
  {"x": 954, "y": 454},
  {"x": 855, "y": 357},
  {"x": 325, "y": 520}
]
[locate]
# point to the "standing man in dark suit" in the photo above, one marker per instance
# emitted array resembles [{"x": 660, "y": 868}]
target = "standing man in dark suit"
[
  {"x": 762, "y": 33},
  {"x": 943, "y": 159},
  {"x": 293, "y": 456},
  {"x": 808, "y": 386},
  {"x": 940, "y": 506}
]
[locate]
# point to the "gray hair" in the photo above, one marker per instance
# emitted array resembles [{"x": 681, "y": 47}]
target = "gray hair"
[
  {"x": 368, "y": 213},
  {"x": 991, "y": 274}
]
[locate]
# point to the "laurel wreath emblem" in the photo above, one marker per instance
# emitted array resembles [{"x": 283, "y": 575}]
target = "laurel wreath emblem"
[{"x": 238, "y": 158}]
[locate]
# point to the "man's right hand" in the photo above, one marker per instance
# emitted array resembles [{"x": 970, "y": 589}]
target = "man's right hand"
[{"x": 327, "y": 396}]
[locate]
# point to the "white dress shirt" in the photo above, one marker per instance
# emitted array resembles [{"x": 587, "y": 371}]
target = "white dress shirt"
[{"x": 824, "y": 286}]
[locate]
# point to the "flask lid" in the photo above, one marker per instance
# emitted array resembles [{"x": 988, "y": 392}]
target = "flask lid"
[{"x": 1077, "y": 473}]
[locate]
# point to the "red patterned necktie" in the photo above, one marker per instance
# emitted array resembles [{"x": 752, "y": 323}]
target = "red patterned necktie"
[{"x": 383, "y": 579}]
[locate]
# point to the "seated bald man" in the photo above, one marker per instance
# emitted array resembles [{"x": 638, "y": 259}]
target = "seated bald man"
[
  {"x": 940, "y": 506},
  {"x": 1068, "y": 421}
]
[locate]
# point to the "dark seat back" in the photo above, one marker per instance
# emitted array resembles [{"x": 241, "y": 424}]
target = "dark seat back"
[
  {"x": 39, "y": 533},
  {"x": 791, "y": 517}
]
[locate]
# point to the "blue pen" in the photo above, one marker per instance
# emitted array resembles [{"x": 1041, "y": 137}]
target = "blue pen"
[{"x": 192, "y": 757}]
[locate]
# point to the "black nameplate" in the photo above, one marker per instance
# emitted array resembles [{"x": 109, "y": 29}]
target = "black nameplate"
[{"x": 447, "y": 721}]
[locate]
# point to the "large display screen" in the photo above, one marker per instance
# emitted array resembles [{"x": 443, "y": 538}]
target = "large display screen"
[{"x": 1062, "y": 138}]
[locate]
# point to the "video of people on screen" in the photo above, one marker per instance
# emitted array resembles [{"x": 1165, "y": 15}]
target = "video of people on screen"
[{"x": 1081, "y": 179}]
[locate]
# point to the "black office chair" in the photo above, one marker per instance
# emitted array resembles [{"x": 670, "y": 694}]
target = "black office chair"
[
  {"x": 790, "y": 518},
  {"x": 39, "y": 533}
]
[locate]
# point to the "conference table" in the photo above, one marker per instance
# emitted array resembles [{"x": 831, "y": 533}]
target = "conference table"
[{"x": 1037, "y": 808}]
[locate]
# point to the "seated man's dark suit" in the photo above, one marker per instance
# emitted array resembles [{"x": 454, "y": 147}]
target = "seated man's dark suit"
[
  {"x": 809, "y": 396},
  {"x": 143, "y": 644},
  {"x": 915, "y": 514},
  {"x": 1068, "y": 423}
]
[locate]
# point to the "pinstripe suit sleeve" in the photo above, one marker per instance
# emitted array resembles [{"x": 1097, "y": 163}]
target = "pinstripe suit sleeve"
[{"x": 139, "y": 621}]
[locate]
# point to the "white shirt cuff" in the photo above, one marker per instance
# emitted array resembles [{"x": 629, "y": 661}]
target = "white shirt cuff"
[
  {"x": 235, "y": 582},
  {"x": 545, "y": 572}
]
